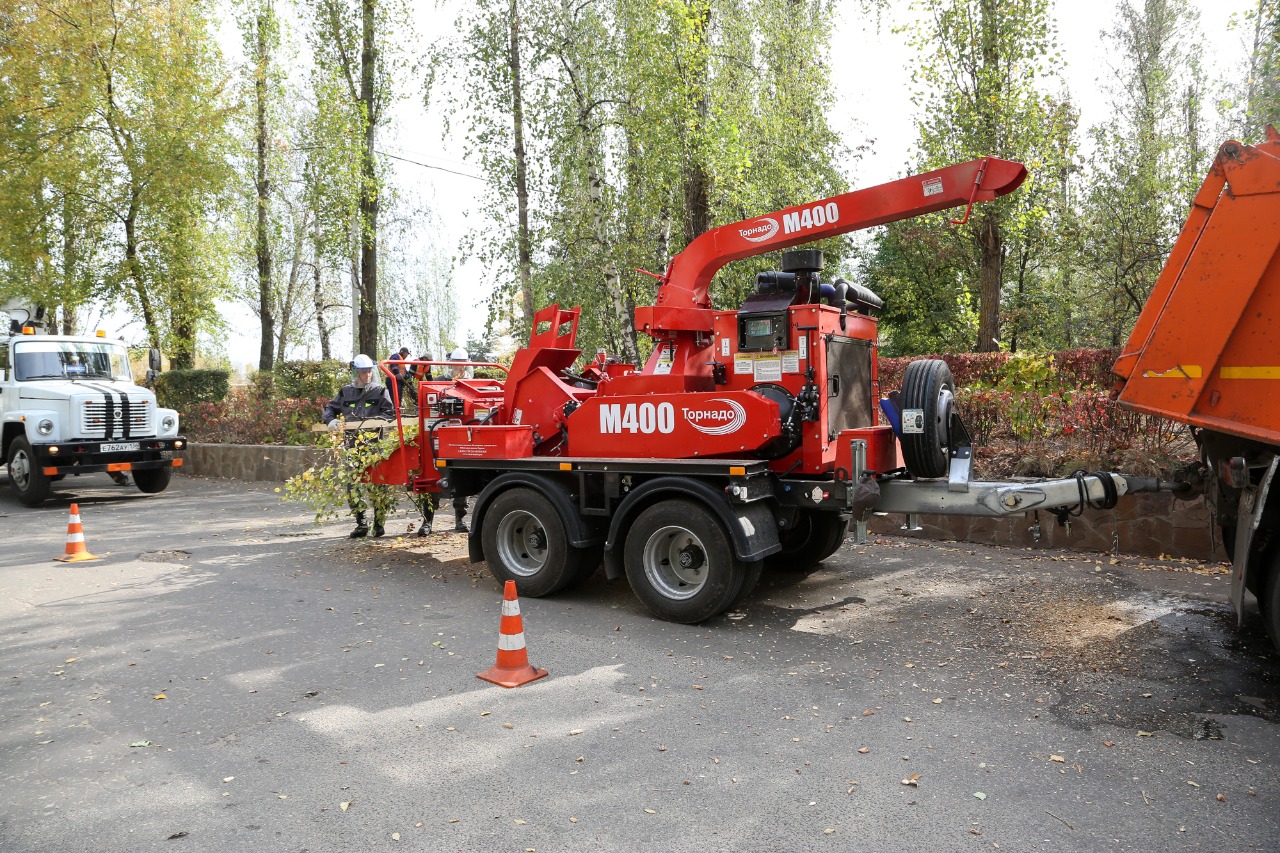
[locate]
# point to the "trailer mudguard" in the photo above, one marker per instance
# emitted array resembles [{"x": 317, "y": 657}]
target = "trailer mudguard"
[
  {"x": 579, "y": 532},
  {"x": 751, "y": 527}
]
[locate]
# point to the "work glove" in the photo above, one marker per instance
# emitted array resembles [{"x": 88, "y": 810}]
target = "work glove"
[{"x": 335, "y": 423}]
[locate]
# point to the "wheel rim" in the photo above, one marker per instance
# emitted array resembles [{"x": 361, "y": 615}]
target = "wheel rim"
[
  {"x": 522, "y": 543},
  {"x": 20, "y": 470},
  {"x": 946, "y": 401},
  {"x": 676, "y": 562}
]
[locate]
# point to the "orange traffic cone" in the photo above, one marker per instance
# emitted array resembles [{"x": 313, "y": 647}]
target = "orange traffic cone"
[
  {"x": 76, "y": 552},
  {"x": 512, "y": 668}
]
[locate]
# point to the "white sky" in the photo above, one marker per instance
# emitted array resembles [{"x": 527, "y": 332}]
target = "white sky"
[{"x": 872, "y": 79}]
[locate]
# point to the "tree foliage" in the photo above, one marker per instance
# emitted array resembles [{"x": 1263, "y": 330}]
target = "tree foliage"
[
  {"x": 1148, "y": 161},
  {"x": 115, "y": 153},
  {"x": 644, "y": 124},
  {"x": 983, "y": 89}
]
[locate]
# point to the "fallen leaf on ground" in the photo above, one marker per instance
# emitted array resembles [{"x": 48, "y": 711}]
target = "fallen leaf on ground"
[
  {"x": 1057, "y": 758},
  {"x": 345, "y": 806},
  {"x": 160, "y": 696},
  {"x": 864, "y": 750},
  {"x": 978, "y": 795},
  {"x": 913, "y": 780}
]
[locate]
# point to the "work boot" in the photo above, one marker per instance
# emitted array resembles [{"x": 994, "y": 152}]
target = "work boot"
[
  {"x": 459, "y": 516},
  {"x": 362, "y": 529},
  {"x": 427, "y": 516},
  {"x": 378, "y": 529}
]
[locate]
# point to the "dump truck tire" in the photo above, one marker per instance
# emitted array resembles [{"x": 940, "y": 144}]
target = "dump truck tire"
[
  {"x": 1269, "y": 603},
  {"x": 927, "y": 395}
]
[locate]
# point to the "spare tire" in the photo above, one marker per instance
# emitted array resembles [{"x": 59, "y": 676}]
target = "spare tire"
[{"x": 927, "y": 401}]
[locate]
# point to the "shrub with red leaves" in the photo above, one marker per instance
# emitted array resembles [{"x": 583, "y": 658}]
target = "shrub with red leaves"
[{"x": 245, "y": 418}]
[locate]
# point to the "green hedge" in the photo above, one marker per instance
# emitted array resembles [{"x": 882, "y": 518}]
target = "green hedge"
[
  {"x": 310, "y": 379},
  {"x": 183, "y": 389}
]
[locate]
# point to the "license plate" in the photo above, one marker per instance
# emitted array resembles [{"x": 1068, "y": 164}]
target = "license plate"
[{"x": 120, "y": 447}]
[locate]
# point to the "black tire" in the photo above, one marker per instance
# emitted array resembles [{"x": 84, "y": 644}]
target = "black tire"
[
  {"x": 750, "y": 578},
  {"x": 680, "y": 562},
  {"x": 927, "y": 392},
  {"x": 524, "y": 540},
  {"x": 814, "y": 537},
  {"x": 153, "y": 480},
  {"x": 29, "y": 482},
  {"x": 1269, "y": 602}
]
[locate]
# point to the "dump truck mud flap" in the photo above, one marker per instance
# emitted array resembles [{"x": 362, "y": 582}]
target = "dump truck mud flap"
[{"x": 1253, "y": 500}]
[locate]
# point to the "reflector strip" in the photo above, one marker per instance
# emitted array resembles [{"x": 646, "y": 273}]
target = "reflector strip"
[
  {"x": 510, "y": 608},
  {"x": 737, "y": 471},
  {"x": 1182, "y": 371},
  {"x": 177, "y": 463},
  {"x": 49, "y": 472},
  {"x": 120, "y": 466},
  {"x": 510, "y": 642},
  {"x": 1250, "y": 373},
  {"x": 566, "y": 466}
]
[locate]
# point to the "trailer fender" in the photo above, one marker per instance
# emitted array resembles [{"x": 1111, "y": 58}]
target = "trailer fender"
[
  {"x": 751, "y": 527},
  {"x": 580, "y": 534}
]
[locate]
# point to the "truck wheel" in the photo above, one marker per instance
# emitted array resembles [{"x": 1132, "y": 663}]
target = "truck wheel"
[
  {"x": 524, "y": 541},
  {"x": 153, "y": 480},
  {"x": 927, "y": 397},
  {"x": 815, "y": 536},
  {"x": 680, "y": 562},
  {"x": 29, "y": 482},
  {"x": 1269, "y": 603}
]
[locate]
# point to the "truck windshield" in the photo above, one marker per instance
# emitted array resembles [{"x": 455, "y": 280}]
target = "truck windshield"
[{"x": 70, "y": 360}]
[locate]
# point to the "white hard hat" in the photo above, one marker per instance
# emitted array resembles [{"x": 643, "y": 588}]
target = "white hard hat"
[
  {"x": 362, "y": 362},
  {"x": 459, "y": 355}
]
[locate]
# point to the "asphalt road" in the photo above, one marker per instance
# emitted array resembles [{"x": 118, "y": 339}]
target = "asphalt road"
[{"x": 231, "y": 677}]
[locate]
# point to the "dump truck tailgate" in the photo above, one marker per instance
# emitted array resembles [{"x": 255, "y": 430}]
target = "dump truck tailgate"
[{"x": 1206, "y": 348}]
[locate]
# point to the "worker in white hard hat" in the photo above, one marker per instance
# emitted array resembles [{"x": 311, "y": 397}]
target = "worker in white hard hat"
[
  {"x": 459, "y": 371},
  {"x": 363, "y": 399},
  {"x": 456, "y": 371}
]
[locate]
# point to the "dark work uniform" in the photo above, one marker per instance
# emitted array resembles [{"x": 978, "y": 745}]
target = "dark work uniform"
[{"x": 355, "y": 403}]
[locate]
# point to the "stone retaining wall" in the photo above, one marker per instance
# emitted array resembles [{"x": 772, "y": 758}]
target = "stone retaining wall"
[
  {"x": 269, "y": 462},
  {"x": 1147, "y": 524}
]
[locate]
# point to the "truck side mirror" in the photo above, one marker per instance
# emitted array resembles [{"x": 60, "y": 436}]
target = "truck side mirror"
[
  {"x": 151, "y": 377},
  {"x": 153, "y": 360}
]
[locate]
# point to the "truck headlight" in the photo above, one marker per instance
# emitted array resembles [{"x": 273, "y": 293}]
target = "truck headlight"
[
  {"x": 168, "y": 423},
  {"x": 45, "y": 426}
]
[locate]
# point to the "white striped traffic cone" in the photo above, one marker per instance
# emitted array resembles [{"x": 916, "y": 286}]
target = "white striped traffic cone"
[
  {"x": 512, "y": 668},
  {"x": 76, "y": 551}
]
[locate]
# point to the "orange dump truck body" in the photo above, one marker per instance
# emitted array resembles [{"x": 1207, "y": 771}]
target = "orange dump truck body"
[{"x": 1206, "y": 348}]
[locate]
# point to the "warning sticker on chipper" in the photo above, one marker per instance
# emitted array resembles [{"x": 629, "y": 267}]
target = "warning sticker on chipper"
[
  {"x": 932, "y": 186},
  {"x": 912, "y": 421}
]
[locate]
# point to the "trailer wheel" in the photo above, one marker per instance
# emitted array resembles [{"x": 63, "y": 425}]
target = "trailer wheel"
[
  {"x": 29, "y": 482},
  {"x": 815, "y": 536},
  {"x": 153, "y": 480},
  {"x": 524, "y": 541},
  {"x": 680, "y": 562},
  {"x": 927, "y": 398}
]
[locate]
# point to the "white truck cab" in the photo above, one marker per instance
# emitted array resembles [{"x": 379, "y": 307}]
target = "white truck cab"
[{"x": 69, "y": 405}]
